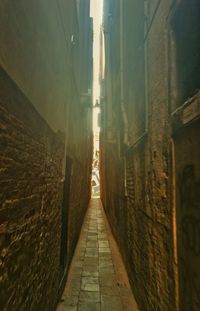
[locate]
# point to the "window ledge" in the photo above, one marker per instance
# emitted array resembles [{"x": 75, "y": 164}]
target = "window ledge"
[{"x": 186, "y": 114}]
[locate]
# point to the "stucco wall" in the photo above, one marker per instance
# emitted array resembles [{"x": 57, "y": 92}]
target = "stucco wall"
[{"x": 35, "y": 52}]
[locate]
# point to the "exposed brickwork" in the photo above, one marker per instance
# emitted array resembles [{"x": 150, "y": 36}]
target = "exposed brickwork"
[
  {"x": 79, "y": 198},
  {"x": 79, "y": 149},
  {"x": 31, "y": 196},
  {"x": 31, "y": 199},
  {"x": 45, "y": 147},
  {"x": 139, "y": 182},
  {"x": 148, "y": 235},
  {"x": 188, "y": 214}
]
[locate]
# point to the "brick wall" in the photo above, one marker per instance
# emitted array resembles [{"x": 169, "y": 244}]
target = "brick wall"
[
  {"x": 43, "y": 128},
  {"x": 31, "y": 158},
  {"x": 142, "y": 183},
  {"x": 187, "y": 173},
  {"x": 79, "y": 150},
  {"x": 79, "y": 199}
]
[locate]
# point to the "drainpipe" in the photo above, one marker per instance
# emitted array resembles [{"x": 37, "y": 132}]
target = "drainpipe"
[
  {"x": 123, "y": 110},
  {"x": 109, "y": 89},
  {"x": 146, "y": 67}
]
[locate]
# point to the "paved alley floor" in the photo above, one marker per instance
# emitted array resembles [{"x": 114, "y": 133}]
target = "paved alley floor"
[{"x": 97, "y": 278}]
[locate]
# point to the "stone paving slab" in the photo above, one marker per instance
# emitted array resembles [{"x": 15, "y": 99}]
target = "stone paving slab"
[{"x": 97, "y": 279}]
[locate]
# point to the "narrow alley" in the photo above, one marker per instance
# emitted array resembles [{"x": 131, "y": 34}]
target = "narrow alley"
[
  {"x": 97, "y": 279},
  {"x": 100, "y": 155}
]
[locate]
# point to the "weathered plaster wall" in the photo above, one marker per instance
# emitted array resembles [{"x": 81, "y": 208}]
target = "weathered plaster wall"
[{"x": 35, "y": 51}]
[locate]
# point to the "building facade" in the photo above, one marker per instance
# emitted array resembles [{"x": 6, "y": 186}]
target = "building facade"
[
  {"x": 150, "y": 169},
  {"x": 46, "y": 147}
]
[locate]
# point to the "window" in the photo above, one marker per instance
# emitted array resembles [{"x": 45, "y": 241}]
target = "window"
[{"x": 186, "y": 28}]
